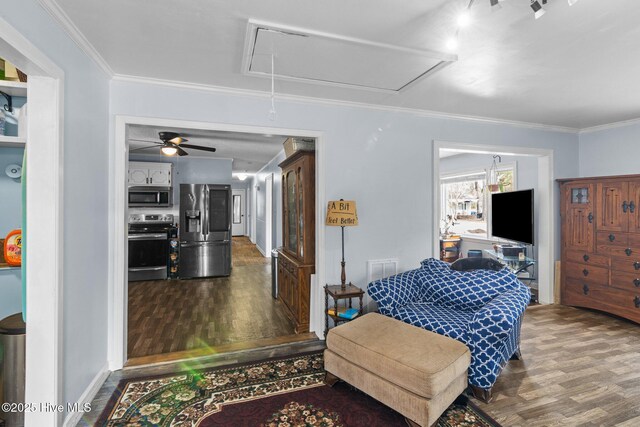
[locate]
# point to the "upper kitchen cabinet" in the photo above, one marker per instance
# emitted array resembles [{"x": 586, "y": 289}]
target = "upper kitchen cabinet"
[
  {"x": 149, "y": 174},
  {"x": 13, "y": 123}
]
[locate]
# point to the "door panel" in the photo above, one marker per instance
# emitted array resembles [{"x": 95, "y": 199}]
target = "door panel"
[
  {"x": 610, "y": 197},
  {"x": 579, "y": 218},
  {"x": 238, "y": 216},
  {"x": 634, "y": 210}
]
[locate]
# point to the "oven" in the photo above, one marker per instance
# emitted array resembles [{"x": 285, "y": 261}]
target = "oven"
[
  {"x": 155, "y": 197},
  {"x": 149, "y": 246}
]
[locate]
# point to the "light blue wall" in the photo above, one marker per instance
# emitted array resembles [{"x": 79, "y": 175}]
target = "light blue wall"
[
  {"x": 10, "y": 219},
  {"x": 381, "y": 159},
  {"x": 527, "y": 167},
  {"x": 86, "y": 189},
  {"x": 259, "y": 195},
  {"x": 611, "y": 151}
]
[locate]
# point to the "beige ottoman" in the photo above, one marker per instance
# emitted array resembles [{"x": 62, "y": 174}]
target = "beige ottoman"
[{"x": 416, "y": 372}]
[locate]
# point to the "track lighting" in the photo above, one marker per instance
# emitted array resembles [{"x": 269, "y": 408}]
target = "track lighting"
[
  {"x": 452, "y": 44},
  {"x": 537, "y": 8},
  {"x": 495, "y": 5},
  {"x": 464, "y": 19},
  {"x": 572, "y": 2}
]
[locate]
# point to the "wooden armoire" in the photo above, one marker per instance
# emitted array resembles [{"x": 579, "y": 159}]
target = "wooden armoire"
[
  {"x": 601, "y": 244},
  {"x": 296, "y": 257}
]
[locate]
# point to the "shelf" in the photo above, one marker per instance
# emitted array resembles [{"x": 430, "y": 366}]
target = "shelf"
[
  {"x": 12, "y": 141},
  {"x": 13, "y": 88}
]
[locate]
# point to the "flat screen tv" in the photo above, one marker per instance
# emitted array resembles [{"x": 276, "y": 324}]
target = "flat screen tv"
[{"x": 512, "y": 216}]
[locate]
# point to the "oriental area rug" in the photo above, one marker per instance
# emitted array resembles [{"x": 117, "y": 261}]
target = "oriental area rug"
[{"x": 285, "y": 392}]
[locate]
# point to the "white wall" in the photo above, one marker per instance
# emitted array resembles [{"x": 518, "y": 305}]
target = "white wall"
[
  {"x": 379, "y": 158},
  {"x": 86, "y": 190},
  {"x": 258, "y": 193},
  {"x": 613, "y": 151}
]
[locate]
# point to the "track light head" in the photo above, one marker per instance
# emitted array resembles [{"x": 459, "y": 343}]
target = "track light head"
[
  {"x": 495, "y": 5},
  {"x": 538, "y": 11}
]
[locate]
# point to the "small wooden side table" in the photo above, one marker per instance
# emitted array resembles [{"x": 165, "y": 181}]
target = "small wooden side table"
[{"x": 337, "y": 293}]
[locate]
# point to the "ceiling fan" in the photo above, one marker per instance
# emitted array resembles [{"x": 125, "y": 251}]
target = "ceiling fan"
[{"x": 172, "y": 144}]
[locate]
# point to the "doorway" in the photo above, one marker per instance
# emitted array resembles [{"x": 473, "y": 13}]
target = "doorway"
[
  {"x": 269, "y": 229},
  {"x": 44, "y": 221},
  {"x": 239, "y": 207},
  {"x": 543, "y": 182},
  {"x": 203, "y": 291}
]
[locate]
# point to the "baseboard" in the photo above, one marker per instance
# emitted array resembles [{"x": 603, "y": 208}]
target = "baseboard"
[
  {"x": 73, "y": 418},
  {"x": 262, "y": 252}
]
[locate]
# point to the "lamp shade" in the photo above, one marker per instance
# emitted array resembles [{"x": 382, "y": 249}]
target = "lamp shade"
[{"x": 342, "y": 213}]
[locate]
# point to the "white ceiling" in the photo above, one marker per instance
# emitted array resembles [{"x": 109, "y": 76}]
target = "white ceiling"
[
  {"x": 250, "y": 152},
  {"x": 577, "y": 66}
]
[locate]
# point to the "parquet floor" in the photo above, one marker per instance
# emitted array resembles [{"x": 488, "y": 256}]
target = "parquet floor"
[
  {"x": 176, "y": 315},
  {"x": 246, "y": 253},
  {"x": 579, "y": 368}
]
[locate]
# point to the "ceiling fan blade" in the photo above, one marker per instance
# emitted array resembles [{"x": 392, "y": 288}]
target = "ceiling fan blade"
[
  {"x": 144, "y": 148},
  {"x": 198, "y": 147},
  {"x": 180, "y": 151},
  {"x": 146, "y": 140}
]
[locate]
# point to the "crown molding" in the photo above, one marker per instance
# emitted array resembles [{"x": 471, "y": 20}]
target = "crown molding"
[
  {"x": 608, "y": 126},
  {"x": 76, "y": 35},
  {"x": 339, "y": 103}
]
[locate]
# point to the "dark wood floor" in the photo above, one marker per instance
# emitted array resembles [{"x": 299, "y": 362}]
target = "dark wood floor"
[
  {"x": 177, "y": 315},
  {"x": 579, "y": 368}
]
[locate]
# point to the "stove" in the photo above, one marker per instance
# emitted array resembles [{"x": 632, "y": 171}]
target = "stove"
[{"x": 149, "y": 246}]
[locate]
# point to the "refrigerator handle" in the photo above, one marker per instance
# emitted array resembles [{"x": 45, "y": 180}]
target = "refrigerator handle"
[{"x": 206, "y": 213}]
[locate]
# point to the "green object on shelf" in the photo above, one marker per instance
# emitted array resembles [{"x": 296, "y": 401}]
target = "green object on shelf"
[{"x": 2, "y": 75}]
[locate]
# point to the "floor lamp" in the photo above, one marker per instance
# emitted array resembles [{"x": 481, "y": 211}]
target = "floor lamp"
[{"x": 342, "y": 213}]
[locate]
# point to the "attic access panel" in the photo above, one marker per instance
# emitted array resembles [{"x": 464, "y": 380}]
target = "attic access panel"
[{"x": 330, "y": 59}]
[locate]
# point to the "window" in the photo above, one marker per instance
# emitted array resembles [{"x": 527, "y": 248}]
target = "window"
[{"x": 465, "y": 199}]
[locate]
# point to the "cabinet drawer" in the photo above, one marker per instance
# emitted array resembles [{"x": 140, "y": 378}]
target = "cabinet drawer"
[
  {"x": 626, "y": 264},
  {"x": 634, "y": 241},
  {"x": 623, "y": 302},
  {"x": 620, "y": 251},
  {"x": 629, "y": 281},
  {"x": 588, "y": 273},
  {"x": 587, "y": 258},
  {"x": 612, "y": 238}
]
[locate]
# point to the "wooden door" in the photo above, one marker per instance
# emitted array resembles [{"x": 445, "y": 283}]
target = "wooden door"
[
  {"x": 634, "y": 206},
  {"x": 610, "y": 198},
  {"x": 579, "y": 219}
]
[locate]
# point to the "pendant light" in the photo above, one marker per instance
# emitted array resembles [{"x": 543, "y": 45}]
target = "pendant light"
[{"x": 493, "y": 184}]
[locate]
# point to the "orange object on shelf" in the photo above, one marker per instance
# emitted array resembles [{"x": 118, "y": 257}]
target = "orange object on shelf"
[{"x": 13, "y": 248}]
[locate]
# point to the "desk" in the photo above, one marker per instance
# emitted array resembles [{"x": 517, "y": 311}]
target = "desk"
[{"x": 450, "y": 248}]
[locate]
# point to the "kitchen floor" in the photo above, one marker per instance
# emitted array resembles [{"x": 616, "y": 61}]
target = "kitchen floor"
[{"x": 167, "y": 316}]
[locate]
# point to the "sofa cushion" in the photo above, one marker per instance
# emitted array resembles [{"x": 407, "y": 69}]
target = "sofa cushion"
[
  {"x": 466, "y": 290},
  {"x": 420, "y": 361},
  {"x": 442, "y": 320},
  {"x": 398, "y": 290}
]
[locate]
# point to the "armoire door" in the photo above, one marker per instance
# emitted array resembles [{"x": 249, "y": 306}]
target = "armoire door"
[
  {"x": 634, "y": 210},
  {"x": 610, "y": 212},
  {"x": 578, "y": 224}
]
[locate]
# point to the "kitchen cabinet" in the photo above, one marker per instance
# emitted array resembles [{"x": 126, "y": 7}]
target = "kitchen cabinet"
[{"x": 149, "y": 174}]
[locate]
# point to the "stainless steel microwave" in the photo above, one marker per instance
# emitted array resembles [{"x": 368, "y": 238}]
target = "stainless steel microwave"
[{"x": 140, "y": 197}]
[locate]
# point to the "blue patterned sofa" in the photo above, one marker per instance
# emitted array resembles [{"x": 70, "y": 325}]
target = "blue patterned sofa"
[{"x": 481, "y": 308}]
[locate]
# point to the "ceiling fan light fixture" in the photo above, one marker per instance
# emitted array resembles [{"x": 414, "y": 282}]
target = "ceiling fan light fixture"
[{"x": 168, "y": 150}]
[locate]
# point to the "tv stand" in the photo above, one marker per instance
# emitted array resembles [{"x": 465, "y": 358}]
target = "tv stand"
[{"x": 518, "y": 265}]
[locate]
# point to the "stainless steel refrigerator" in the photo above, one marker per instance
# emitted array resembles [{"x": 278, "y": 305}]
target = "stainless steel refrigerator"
[{"x": 205, "y": 230}]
